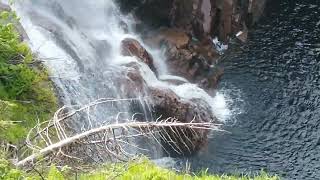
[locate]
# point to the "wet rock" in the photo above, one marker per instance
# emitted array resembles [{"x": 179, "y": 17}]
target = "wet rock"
[
  {"x": 167, "y": 104},
  {"x": 173, "y": 80},
  {"x": 187, "y": 29},
  {"x": 243, "y": 34},
  {"x": 132, "y": 47},
  {"x": 191, "y": 62},
  {"x": 175, "y": 37},
  {"x": 255, "y": 10},
  {"x": 211, "y": 82},
  {"x": 124, "y": 26},
  {"x": 200, "y": 18}
]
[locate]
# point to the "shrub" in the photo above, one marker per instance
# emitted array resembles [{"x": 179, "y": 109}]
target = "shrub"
[{"x": 26, "y": 93}]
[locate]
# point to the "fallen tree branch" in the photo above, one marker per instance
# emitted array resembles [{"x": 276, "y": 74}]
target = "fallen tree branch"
[{"x": 109, "y": 128}]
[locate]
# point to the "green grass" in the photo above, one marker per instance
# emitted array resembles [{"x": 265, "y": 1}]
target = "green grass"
[
  {"x": 141, "y": 169},
  {"x": 144, "y": 169}
]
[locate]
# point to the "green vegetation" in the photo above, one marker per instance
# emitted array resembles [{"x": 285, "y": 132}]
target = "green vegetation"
[
  {"x": 141, "y": 169},
  {"x": 26, "y": 94},
  {"x": 144, "y": 170}
]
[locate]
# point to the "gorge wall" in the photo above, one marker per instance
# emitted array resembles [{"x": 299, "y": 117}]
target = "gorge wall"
[
  {"x": 200, "y": 18},
  {"x": 194, "y": 32}
]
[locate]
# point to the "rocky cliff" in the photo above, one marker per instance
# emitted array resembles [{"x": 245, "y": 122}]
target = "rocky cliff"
[
  {"x": 194, "y": 32},
  {"x": 200, "y": 18}
]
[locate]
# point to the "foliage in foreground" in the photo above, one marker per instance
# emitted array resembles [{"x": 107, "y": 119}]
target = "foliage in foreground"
[
  {"x": 144, "y": 170},
  {"x": 141, "y": 169},
  {"x": 26, "y": 94}
]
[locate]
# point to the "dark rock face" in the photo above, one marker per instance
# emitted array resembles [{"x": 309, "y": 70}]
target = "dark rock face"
[
  {"x": 165, "y": 103},
  {"x": 188, "y": 58},
  {"x": 191, "y": 26},
  {"x": 152, "y": 12},
  {"x": 132, "y": 47},
  {"x": 186, "y": 29},
  {"x": 200, "y": 18}
]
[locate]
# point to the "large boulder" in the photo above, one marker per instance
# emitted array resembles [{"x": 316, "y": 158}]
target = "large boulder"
[
  {"x": 132, "y": 47},
  {"x": 167, "y": 104},
  {"x": 191, "y": 59},
  {"x": 201, "y": 18},
  {"x": 176, "y": 37}
]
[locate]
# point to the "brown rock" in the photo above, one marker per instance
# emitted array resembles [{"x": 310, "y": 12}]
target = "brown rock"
[
  {"x": 255, "y": 9},
  {"x": 226, "y": 20},
  {"x": 214, "y": 78},
  {"x": 168, "y": 104},
  {"x": 132, "y": 47},
  {"x": 175, "y": 37},
  {"x": 165, "y": 103}
]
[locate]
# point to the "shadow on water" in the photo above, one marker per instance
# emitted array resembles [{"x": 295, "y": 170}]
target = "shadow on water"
[{"x": 278, "y": 75}]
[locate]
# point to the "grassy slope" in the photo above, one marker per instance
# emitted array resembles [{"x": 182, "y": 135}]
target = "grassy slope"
[{"x": 137, "y": 170}]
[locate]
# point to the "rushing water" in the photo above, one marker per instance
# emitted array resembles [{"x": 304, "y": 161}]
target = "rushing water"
[
  {"x": 273, "y": 80},
  {"x": 79, "y": 41},
  {"x": 277, "y": 77}
]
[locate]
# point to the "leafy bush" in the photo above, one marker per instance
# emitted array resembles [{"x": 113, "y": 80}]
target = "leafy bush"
[
  {"x": 26, "y": 93},
  {"x": 136, "y": 170},
  {"x": 6, "y": 171},
  {"x": 146, "y": 170}
]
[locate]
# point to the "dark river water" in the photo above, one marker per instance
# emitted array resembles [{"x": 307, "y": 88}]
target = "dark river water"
[{"x": 277, "y": 77}]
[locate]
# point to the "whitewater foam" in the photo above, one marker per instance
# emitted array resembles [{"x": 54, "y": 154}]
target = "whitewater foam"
[{"x": 64, "y": 36}]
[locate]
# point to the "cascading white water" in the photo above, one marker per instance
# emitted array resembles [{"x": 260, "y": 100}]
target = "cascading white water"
[{"x": 79, "y": 41}]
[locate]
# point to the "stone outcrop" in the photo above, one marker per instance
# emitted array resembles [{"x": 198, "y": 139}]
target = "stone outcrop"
[
  {"x": 187, "y": 57},
  {"x": 166, "y": 103},
  {"x": 201, "y": 18},
  {"x": 132, "y": 47},
  {"x": 187, "y": 29}
]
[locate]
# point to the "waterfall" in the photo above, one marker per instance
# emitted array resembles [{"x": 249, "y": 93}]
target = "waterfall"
[{"x": 79, "y": 41}]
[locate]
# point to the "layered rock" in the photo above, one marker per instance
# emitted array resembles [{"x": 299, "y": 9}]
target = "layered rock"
[
  {"x": 132, "y": 47},
  {"x": 201, "y": 18},
  {"x": 187, "y": 29},
  {"x": 166, "y": 103},
  {"x": 187, "y": 57}
]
